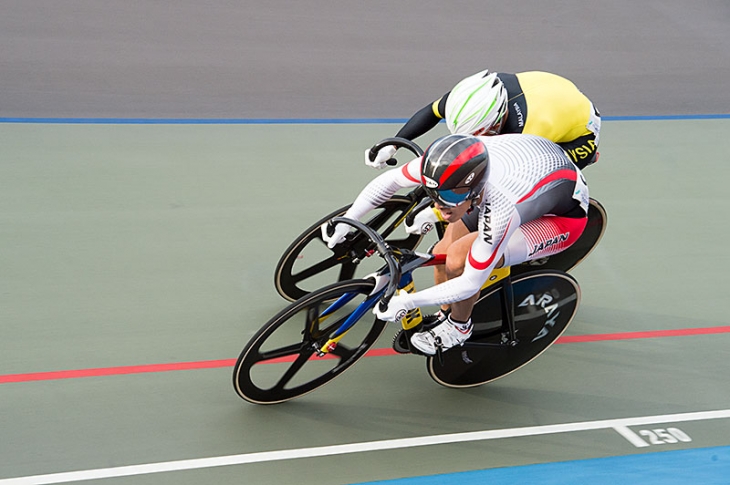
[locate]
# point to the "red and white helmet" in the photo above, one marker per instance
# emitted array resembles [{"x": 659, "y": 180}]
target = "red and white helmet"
[{"x": 454, "y": 169}]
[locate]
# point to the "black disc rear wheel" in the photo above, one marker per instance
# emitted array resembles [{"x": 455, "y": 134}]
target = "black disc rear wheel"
[{"x": 545, "y": 303}]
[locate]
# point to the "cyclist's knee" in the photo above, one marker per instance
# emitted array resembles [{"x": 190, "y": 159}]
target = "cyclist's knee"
[{"x": 441, "y": 247}]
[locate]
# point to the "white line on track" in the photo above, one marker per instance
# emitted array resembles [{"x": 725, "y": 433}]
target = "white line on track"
[
  {"x": 266, "y": 456},
  {"x": 632, "y": 437}
]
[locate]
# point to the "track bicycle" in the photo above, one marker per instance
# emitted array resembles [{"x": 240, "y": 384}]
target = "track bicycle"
[
  {"x": 307, "y": 264},
  {"x": 319, "y": 336}
]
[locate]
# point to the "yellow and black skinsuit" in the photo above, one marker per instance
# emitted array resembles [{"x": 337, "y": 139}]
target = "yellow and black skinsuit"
[{"x": 539, "y": 103}]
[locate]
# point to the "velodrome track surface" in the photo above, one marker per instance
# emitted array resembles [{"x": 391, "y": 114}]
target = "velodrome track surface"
[
  {"x": 137, "y": 257},
  {"x": 350, "y": 59}
]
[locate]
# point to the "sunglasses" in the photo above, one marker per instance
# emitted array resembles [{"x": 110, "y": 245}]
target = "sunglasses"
[{"x": 450, "y": 198}]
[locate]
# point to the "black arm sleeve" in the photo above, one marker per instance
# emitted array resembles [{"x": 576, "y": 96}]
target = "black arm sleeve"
[{"x": 424, "y": 120}]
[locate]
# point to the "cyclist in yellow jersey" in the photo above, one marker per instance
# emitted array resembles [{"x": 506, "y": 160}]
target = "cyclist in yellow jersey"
[{"x": 486, "y": 103}]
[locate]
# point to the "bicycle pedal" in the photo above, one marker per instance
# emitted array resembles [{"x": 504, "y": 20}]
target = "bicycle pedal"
[
  {"x": 403, "y": 346},
  {"x": 400, "y": 339},
  {"x": 401, "y": 343}
]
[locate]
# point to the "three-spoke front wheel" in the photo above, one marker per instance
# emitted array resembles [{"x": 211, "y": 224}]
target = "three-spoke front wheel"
[{"x": 281, "y": 361}]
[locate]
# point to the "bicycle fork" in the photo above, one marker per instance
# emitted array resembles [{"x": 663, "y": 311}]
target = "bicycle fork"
[
  {"x": 351, "y": 319},
  {"x": 411, "y": 320}
]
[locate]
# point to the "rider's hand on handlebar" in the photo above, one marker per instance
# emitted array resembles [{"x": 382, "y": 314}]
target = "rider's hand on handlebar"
[
  {"x": 382, "y": 157},
  {"x": 338, "y": 235},
  {"x": 398, "y": 306},
  {"x": 424, "y": 221}
]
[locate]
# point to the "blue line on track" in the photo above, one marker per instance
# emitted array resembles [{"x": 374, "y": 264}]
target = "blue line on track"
[
  {"x": 293, "y": 121},
  {"x": 706, "y": 466}
]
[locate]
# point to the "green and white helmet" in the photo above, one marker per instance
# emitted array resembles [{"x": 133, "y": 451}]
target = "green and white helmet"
[{"x": 477, "y": 105}]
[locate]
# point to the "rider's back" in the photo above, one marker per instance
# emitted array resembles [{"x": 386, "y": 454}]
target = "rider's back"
[
  {"x": 524, "y": 170},
  {"x": 519, "y": 162},
  {"x": 547, "y": 105}
]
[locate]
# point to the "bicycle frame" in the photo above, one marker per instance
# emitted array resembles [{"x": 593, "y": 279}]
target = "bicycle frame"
[
  {"x": 351, "y": 320},
  {"x": 383, "y": 279},
  {"x": 412, "y": 260},
  {"x": 507, "y": 334}
]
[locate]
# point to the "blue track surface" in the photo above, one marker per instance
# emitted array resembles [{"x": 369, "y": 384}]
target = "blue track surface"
[{"x": 706, "y": 466}]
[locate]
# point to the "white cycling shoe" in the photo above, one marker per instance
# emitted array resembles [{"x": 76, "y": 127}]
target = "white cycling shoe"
[{"x": 442, "y": 336}]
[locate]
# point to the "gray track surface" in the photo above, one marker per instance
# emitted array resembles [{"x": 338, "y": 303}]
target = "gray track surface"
[
  {"x": 132, "y": 245},
  {"x": 350, "y": 59}
]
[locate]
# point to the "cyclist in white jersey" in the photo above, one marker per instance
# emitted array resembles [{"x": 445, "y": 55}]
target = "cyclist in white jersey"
[{"x": 508, "y": 199}]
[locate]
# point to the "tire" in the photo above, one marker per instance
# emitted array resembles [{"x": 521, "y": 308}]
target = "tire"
[
  {"x": 280, "y": 362},
  {"x": 308, "y": 264},
  {"x": 571, "y": 257},
  {"x": 545, "y": 303}
]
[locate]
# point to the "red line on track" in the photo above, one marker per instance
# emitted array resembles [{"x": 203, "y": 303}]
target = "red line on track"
[
  {"x": 210, "y": 364},
  {"x": 681, "y": 332}
]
